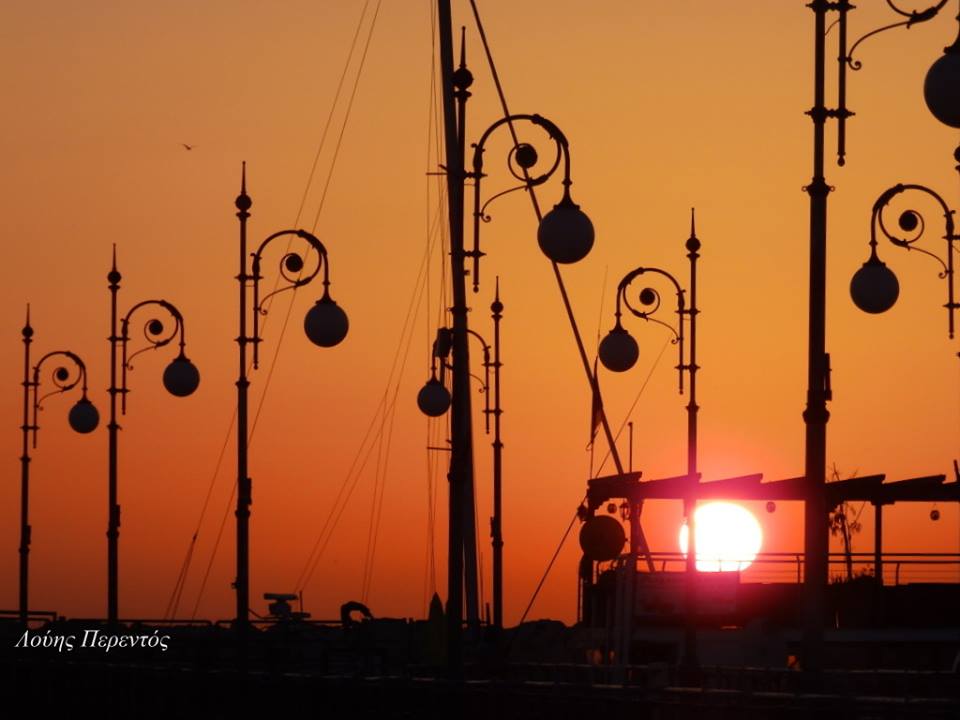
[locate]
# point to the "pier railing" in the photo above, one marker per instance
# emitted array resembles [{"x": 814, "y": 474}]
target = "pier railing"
[{"x": 786, "y": 567}]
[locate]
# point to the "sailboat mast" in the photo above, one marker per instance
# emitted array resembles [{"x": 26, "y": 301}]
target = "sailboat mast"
[{"x": 461, "y": 553}]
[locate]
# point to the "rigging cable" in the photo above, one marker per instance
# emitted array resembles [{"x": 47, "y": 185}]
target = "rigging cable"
[
  {"x": 332, "y": 519},
  {"x": 333, "y": 107},
  {"x": 596, "y": 354},
  {"x": 326, "y": 187},
  {"x": 377, "y": 494},
  {"x": 386, "y": 405},
  {"x": 386, "y": 429},
  {"x": 611, "y": 443},
  {"x": 556, "y": 268},
  {"x": 387, "y": 423},
  {"x": 389, "y": 420},
  {"x": 636, "y": 399},
  {"x": 343, "y": 127},
  {"x": 174, "y": 602},
  {"x": 336, "y": 152},
  {"x": 546, "y": 572}
]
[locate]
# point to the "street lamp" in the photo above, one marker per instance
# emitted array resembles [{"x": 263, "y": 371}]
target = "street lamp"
[
  {"x": 874, "y": 287},
  {"x": 565, "y": 234},
  {"x": 566, "y": 237},
  {"x": 325, "y": 324},
  {"x": 941, "y": 87},
  {"x": 180, "y": 378},
  {"x": 619, "y": 352},
  {"x": 83, "y": 418},
  {"x": 434, "y": 400},
  {"x": 815, "y": 414}
]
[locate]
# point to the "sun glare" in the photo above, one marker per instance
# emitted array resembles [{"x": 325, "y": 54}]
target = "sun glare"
[{"x": 728, "y": 537}]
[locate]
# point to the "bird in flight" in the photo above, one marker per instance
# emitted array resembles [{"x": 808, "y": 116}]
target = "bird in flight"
[{"x": 188, "y": 147}]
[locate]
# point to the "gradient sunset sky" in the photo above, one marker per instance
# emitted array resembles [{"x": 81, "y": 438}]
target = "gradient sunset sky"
[{"x": 667, "y": 106}]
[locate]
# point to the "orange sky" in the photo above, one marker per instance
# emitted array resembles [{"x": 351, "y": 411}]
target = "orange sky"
[{"x": 666, "y": 107}]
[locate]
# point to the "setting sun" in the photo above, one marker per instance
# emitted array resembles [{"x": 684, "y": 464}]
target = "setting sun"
[{"x": 728, "y": 537}]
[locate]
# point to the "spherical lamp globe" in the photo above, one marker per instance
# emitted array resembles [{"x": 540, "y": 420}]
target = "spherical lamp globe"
[
  {"x": 874, "y": 288},
  {"x": 181, "y": 377},
  {"x": 618, "y": 350},
  {"x": 326, "y": 323}
]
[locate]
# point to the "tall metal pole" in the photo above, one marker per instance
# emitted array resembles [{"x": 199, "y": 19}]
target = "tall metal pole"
[
  {"x": 462, "y": 79},
  {"x": 461, "y": 460},
  {"x": 497, "y": 524},
  {"x": 690, "y": 502},
  {"x": 25, "y": 476},
  {"x": 113, "y": 508},
  {"x": 244, "y": 484},
  {"x": 816, "y": 415}
]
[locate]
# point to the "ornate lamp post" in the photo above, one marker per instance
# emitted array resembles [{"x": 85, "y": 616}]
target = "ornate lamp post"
[
  {"x": 496, "y": 522},
  {"x": 619, "y": 352},
  {"x": 815, "y": 415},
  {"x": 325, "y": 325},
  {"x": 940, "y": 88},
  {"x": 180, "y": 378},
  {"x": 434, "y": 400},
  {"x": 83, "y": 418},
  {"x": 874, "y": 287},
  {"x": 565, "y": 234}
]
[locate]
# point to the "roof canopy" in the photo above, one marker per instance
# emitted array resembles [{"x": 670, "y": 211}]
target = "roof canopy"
[{"x": 872, "y": 488}]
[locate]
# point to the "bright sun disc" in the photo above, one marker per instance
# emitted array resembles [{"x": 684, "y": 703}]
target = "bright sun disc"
[{"x": 728, "y": 537}]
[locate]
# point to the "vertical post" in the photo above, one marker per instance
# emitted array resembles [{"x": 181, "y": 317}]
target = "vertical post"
[
  {"x": 25, "y": 476},
  {"x": 690, "y": 502},
  {"x": 951, "y": 238},
  {"x": 113, "y": 508},
  {"x": 497, "y": 308},
  {"x": 244, "y": 484},
  {"x": 815, "y": 414},
  {"x": 585, "y": 582},
  {"x": 462, "y": 79},
  {"x": 629, "y": 606},
  {"x": 878, "y": 543},
  {"x": 461, "y": 457}
]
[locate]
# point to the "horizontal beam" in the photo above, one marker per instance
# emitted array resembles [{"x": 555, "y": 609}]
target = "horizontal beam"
[{"x": 870, "y": 488}]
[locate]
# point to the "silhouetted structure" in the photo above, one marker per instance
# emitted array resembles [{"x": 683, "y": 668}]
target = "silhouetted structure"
[
  {"x": 325, "y": 325},
  {"x": 874, "y": 288},
  {"x": 815, "y": 415},
  {"x": 180, "y": 378},
  {"x": 618, "y": 352},
  {"x": 434, "y": 400},
  {"x": 565, "y": 235},
  {"x": 83, "y": 418}
]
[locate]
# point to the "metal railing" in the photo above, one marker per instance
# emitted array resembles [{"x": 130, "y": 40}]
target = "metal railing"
[{"x": 899, "y": 568}]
